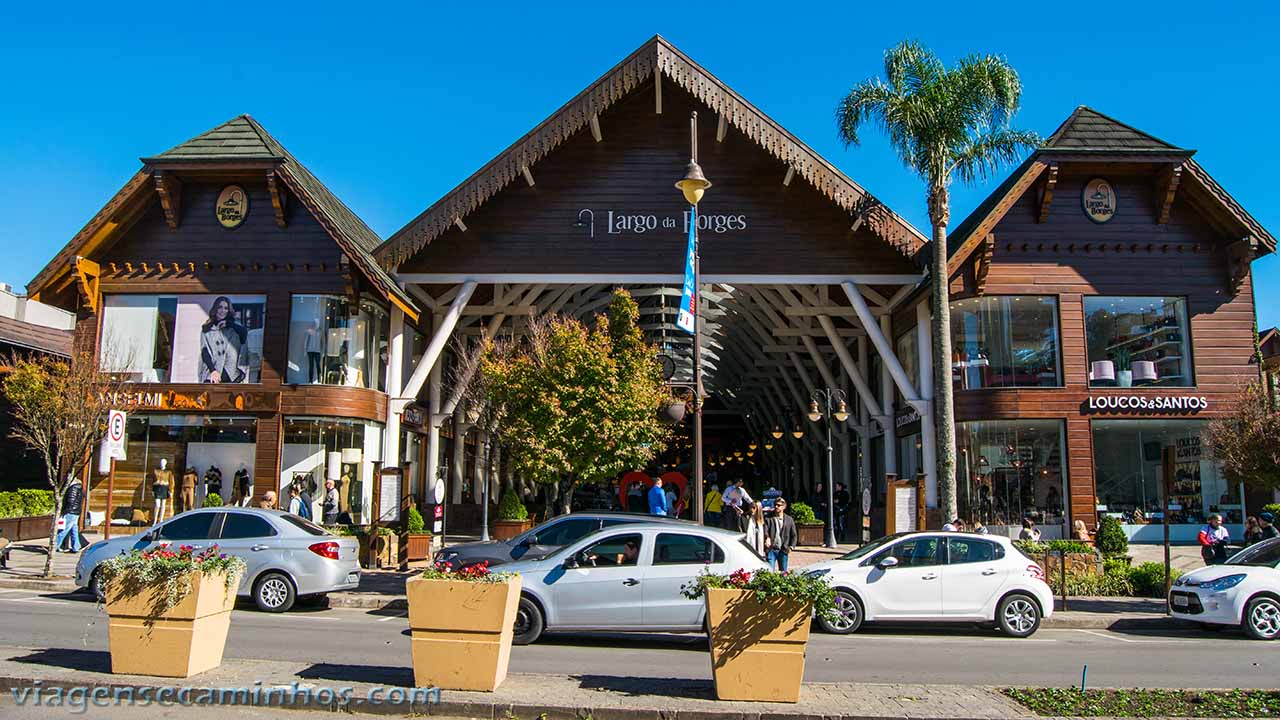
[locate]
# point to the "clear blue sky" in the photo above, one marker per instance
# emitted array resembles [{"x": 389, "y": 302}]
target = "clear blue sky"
[{"x": 392, "y": 105}]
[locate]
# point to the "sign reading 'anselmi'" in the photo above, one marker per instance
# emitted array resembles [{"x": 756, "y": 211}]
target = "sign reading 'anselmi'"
[{"x": 1147, "y": 403}]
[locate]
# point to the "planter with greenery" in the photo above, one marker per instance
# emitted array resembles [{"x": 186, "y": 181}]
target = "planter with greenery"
[
  {"x": 379, "y": 546},
  {"x": 513, "y": 517},
  {"x": 212, "y": 500},
  {"x": 26, "y": 514},
  {"x": 415, "y": 542},
  {"x": 1110, "y": 538},
  {"x": 1071, "y": 702},
  {"x": 759, "y": 627},
  {"x": 462, "y": 625},
  {"x": 1081, "y": 557},
  {"x": 809, "y": 528},
  {"x": 169, "y": 609}
]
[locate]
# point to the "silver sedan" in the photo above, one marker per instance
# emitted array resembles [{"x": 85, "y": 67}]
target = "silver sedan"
[
  {"x": 286, "y": 557},
  {"x": 626, "y": 579}
]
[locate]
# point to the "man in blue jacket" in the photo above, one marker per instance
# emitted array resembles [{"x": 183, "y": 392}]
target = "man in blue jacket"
[{"x": 657, "y": 499}]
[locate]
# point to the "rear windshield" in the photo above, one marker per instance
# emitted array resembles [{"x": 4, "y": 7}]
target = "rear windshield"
[
  {"x": 304, "y": 525},
  {"x": 750, "y": 547}
]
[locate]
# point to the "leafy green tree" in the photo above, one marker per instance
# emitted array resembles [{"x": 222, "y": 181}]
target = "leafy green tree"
[
  {"x": 1246, "y": 441},
  {"x": 944, "y": 123},
  {"x": 60, "y": 411},
  {"x": 574, "y": 404}
]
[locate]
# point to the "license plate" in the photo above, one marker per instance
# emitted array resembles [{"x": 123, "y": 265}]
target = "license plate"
[
  {"x": 1180, "y": 600},
  {"x": 353, "y": 577}
]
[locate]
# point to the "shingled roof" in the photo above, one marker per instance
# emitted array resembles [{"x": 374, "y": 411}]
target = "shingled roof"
[
  {"x": 19, "y": 333},
  {"x": 1087, "y": 131}
]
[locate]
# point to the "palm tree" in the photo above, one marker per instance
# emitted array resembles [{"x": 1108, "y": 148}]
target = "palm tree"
[{"x": 943, "y": 122}]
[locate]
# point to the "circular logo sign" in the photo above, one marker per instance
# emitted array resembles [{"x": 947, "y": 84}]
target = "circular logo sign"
[
  {"x": 232, "y": 206},
  {"x": 437, "y": 492},
  {"x": 1099, "y": 200},
  {"x": 866, "y": 501}
]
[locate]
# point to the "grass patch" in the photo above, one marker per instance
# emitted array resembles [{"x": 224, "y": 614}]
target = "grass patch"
[{"x": 1148, "y": 703}]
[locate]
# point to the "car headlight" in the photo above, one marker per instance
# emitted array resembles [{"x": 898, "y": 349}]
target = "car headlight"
[
  {"x": 1226, "y": 582},
  {"x": 818, "y": 573}
]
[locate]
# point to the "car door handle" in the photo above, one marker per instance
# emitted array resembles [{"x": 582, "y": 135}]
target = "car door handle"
[
  {"x": 930, "y": 576},
  {"x": 990, "y": 571},
  {"x": 630, "y": 581},
  {"x": 256, "y": 548}
]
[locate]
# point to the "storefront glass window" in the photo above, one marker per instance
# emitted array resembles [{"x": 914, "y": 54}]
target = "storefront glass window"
[
  {"x": 184, "y": 338},
  {"x": 348, "y": 452},
  {"x": 1134, "y": 341},
  {"x": 415, "y": 345},
  {"x": 910, "y": 359},
  {"x": 1009, "y": 470},
  {"x": 1133, "y": 459},
  {"x": 329, "y": 346},
  {"x": 1005, "y": 341},
  {"x": 910, "y": 456}
]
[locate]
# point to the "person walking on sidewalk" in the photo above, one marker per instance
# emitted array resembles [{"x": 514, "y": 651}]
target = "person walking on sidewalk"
[
  {"x": 72, "y": 504},
  {"x": 1213, "y": 539},
  {"x": 1252, "y": 531},
  {"x": 755, "y": 528},
  {"x": 1267, "y": 522},
  {"x": 780, "y": 535},
  {"x": 713, "y": 505},
  {"x": 739, "y": 502},
  {"x": 657, "y": 499}
]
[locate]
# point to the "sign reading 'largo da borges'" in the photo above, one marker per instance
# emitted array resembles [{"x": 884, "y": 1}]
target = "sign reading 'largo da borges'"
[{"x": 621, "y": 222}]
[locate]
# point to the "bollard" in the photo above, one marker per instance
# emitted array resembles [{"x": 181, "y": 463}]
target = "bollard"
[
  {"x": 1062, "y": 576},
  {"x": 1084, "y": 677}
]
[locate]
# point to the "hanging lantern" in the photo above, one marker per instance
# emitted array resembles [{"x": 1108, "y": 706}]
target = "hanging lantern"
[
  {"x": 350, "y": 456},
  {"x": 334, "y": 466}
]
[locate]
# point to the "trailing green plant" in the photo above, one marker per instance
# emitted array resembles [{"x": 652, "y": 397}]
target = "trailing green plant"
[
  {"x": 511, "y": 507},
  {"x": 212, "y": 500},
  {"x": 1148, "y": 579},
  {"x": 414, "y": 524},
  {"x": 767, "y": 584},
  {"x": 803, "y": 514},
  {"x": 1040, "y": 548},
  {"x": 478, "y": 573},
  {"x": 168, "y": 572},
  {"x": 1110, "y": 537}
]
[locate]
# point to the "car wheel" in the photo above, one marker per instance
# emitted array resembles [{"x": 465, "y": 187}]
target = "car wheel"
[
  {"x": 1018, "y": 615},
  {"x": 273, "y": 593},
  {"x": 1262, "y": 618},
  {"x": 529, "y": 622},
  {"x": 848, "y": 616}
]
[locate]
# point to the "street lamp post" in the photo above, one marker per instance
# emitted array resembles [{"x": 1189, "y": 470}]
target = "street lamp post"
[
  {"x": 832, "y": 406},
  {"x": 692, "y": 186},
  {"x": 484, "y": 491}
]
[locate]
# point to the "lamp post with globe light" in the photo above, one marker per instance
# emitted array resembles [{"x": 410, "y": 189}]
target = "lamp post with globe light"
[{"x": 830, "y": 404}]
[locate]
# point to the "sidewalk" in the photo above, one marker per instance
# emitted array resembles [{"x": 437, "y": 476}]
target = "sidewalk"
[{"x": 522, "y": 696}]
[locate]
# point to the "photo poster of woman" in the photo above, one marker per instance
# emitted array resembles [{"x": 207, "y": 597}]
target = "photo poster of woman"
[{"x": 218, "y": 339}]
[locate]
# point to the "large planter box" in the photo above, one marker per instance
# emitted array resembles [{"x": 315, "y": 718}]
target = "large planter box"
[
  {"x": 415, "y": 547},
  {"x": 461, "y": 632},
  {"x": 811, "y": 534},
  {"x": 378, "y": 551},
  {"x": 757, "y": 649},
  {"x": 1077, "y": 564},
  {"x": 185, "y": 640},
  {"x": 30, "y": 527},
  {"x": 507, "y": 529}
]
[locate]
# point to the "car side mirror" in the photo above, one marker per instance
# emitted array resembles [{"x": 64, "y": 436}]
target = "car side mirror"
[
  {"x": 889, "y": 562},
  {"x": 571, "y": 562},
  {"x": 529, "y": 540}
]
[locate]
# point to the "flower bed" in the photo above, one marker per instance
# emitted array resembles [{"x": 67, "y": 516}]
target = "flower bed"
[
  {"x": 1070, "y": 702},
  {"x": 462, "y": 625}
]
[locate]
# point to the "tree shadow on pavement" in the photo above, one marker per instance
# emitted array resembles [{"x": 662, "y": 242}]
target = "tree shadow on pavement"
[
  {"x": 371, "y": 674},
  {"x": 649, "y": 686},
  {"x": 71, "y": 659}
]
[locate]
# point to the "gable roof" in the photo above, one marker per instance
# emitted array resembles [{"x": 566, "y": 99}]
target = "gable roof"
[
  {"x": 1086, "y": 131},
  {"x": 239, "y": 140},
  {"x": 655, "y": 56}
]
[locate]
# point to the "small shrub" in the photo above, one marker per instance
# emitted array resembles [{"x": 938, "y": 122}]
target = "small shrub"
[
  {"x": 803, "y": 514},
  {"x": 10, "y": 505},
  {"x": 1110, "y": 538},
  {"x": 36, "y": 502},
  {"x": 1273, "y": 508},
  {"x": 1040, "y": 548},
  {"x": 1148, "y": 579},
  {"x": 1114, "y": 584},
  {"x": 1116, "y": 566},
  {"x": 414, "y": 524},
  {"x": 212, "y": 500},
  {"x": 511, "y": 507}
]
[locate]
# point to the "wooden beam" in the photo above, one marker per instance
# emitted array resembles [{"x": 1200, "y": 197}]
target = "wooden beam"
[
  {"x": 657, "y": 91},
  {"x": 279, "y": 200},
  {"x": 169, "y": 188},
  {"x": 1046, "y": 192},
  {"x": 528, "y": 176},
  {"x": 460, "y": 225},
  {"x": 786, "y": 179},
  {"x": 1169, "y": 182},
  {"x": 997, "y": 213},
  {"x": 594, "y": 122},
  {"x": 1240, "y": 256},
  {"x": 722, "y": 127},
  {"x": 983, "y": 265},
  {"x": 87, "y": 273},
  {"x": 814, "y": 332}
]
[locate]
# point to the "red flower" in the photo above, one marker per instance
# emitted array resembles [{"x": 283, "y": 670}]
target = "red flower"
[{"x": 740, "y": 578}]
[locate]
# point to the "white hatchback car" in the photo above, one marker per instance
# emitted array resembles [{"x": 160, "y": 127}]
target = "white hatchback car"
[
  {"x": 1244, "y": 591},
  {"x": 937, "y": 577}
]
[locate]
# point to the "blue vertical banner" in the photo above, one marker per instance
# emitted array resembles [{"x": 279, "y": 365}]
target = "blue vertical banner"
[{"x": 686, "y": 320}]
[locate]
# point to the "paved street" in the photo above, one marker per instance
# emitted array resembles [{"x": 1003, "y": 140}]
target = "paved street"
[{"x": 1154, "y": 657}]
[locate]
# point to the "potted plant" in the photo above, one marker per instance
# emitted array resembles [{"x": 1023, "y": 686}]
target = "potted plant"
[
  {"x": 513, "y": 517},
  {"x": 759, "y": 628},
  {"x": 169, "y": 609},
  {"x": 415, "y": 543},
  {"x": 809, "y": 528},
  {"x": 379, "y": 547},
  {"x": 462, "y": 624},
  {"x": 212, "y": 500},
  {"x": 1124, "y": 371}
]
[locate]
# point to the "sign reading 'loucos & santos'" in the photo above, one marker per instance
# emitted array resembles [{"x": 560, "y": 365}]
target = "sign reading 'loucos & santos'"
[{"x": 1146, "y": 403}]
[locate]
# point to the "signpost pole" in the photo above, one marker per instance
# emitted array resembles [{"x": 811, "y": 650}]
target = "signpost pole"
[{"x": 111, "y": 491}]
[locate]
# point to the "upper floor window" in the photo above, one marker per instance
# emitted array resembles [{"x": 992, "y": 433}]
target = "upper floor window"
[
  {"x": 184, "y": 338},
  {"x": 330, "y": 345},
  {"x": 1005, "y": 341},
  {"x": 1137, "y": 341}
]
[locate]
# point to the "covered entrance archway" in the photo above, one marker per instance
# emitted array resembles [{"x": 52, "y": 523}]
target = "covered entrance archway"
[{"x": 802, "y": 272}]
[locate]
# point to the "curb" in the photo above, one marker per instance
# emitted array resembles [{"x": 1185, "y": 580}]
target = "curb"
[{"x": 55, "y": 586}]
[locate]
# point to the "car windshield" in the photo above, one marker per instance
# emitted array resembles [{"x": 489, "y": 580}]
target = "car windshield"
[
  {"x": 869, "y": 548},
  {"x": 1264, "y": 554}
]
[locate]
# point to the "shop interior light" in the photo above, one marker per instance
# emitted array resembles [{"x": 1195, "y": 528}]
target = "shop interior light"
[
  {"x": 798, "y": 432},
  {"x": 751, "y": 445},
  {"x": 350, "y": 456},
  {"x": 768, "y": 445}
]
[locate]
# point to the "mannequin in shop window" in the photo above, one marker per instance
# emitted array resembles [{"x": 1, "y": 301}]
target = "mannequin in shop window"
[
  {"x": 244, "y": 486},
  {"x": 188, "y": 498},
  {"x": 212, "y": 481},
  {"x": 162, "y": 481},
  {"x": 314, "y": 342}
]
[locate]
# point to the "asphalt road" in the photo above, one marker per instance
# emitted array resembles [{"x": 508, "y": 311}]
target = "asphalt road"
[{"x": 947, "y": 655}]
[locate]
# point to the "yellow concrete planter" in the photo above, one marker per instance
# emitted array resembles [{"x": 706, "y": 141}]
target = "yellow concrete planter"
[
  {"x": 182, "y": 641},
  {"x": 757, "y": 649},
  {"x": 461, "y": 632}
]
